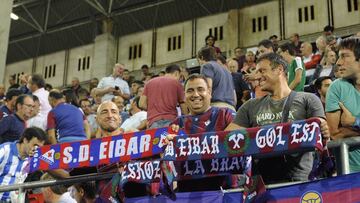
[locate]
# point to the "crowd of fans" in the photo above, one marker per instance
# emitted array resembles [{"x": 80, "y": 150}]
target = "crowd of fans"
[{"x": 322, "y": 78}]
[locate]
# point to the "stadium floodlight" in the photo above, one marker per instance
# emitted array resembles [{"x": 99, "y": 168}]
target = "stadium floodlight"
[{"x": 14, "y": 16}]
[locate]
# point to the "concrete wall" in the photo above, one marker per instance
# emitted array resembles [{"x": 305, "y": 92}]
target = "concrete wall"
[
  {"x": 83, "y": 53},
  {"x": 17, "y": 68},
  {"x": 342, "y": 16},
  {"x": 56, "y": 59}
]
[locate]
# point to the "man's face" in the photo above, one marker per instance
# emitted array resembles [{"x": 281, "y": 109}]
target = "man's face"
[
  {"x": 108, "y": 117},
  {"x": 233, "y": 66},
  {"x": 140, "y": 91},
  {"x": 134, "y": 88},
  {"x": 126, "y": 75},
  {"x": 94, "y": 83},
  {"x": 74, "y": 82},
  {"x": 36, "y": 108},
  {"x": 263, "y": 50},
  {"x": 11, "y": 102},
  {"x": 347, "y": 64},
  {"x": 266, "y": 75},
  {"x": 118, "y": 70},
  {"x": 210, "y": 41},
  {"x": 145, "y": 70},
  {"x": 331, "y": 57},
  {"x": 197, "y": 96},
  {"x": 27, "y": 108},
  {"x": 293, "y": 38},
  {"x": 305, "y": 49},
  {"x": 2, "y": 90},
  {"x": 86, "y": 107},
  {"x": 30, "y": 146},
  {"x": 119, "y": 101},
  {"x": 238, "y": 53},
  {"x": 250, "y": 57},
  {"x": 324, "y": 87}
]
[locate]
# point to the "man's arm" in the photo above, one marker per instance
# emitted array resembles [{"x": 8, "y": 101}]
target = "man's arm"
[
  {"x": 52, "y": 136},
  {"x": 143, "y": 102},
  {"x": 184, "y": 108},
  {"x": 103, "y": 91},
  {"x": 233, "y": 126},
  {"x": 336, "y": 132},
  {"x": 297, "y": 79},
  {"x": 87, "y": 129}
]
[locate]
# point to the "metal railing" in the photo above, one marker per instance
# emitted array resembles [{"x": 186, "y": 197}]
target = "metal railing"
[{"x": 343, "y": 144}]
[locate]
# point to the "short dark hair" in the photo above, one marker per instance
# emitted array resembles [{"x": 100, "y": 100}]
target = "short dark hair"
[
  {"x": 267, "y": 44},
  {"x": 38, "y": 80},
  {"x": 32, "y": 132},
  {"x": 275, "y": 60},
  {"x": 89, "y": 189},
  {"x": 144, "y": 66},
  {"x": 196, "y": 76},
  {"x": 207, "y": 53},
  {"x": 56, "y": 94},
  {"x": 273, "y": 36},
  {"x": 84, "y": 100},
  {"x": 139, "y": 82},
  {"x": 35, "y": 98},
  {"x": 209, "y": 36},
  {"x": 20, "y": 100},
  {"x": 221, "y": 58},
  {"x": 12, "y": 93},
  {"x": 328, "y": 28},
  {"x": 173, "y": 68},
  {"x": 288, "y": 47},
  {"x": 318, "y": 81},
  {"x": 136, "y": 101},
  {"x": 57, "y": 189},
  {"x": 353, "y": 44}
]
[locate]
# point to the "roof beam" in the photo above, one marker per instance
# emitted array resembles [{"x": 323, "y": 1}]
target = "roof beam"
[
  {"x": 46, "y": 20},
  {"x": 97, "y": 6},
  {"x": 32, "y": 18},
  {"x": 17, "y": 4},
  {"x": 110, "y": 7}
]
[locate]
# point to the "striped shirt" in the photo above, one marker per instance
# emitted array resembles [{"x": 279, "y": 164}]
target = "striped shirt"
[{"x": 11, "y": 167}]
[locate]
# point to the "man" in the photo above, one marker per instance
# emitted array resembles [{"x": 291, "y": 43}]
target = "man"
[
  {"x": 37, "y": 120},
  {"x": 210, "y": 42},
  {"x": 310, "y": 59},
  {"x": 9, "y": 107},
  {"x": 219, "y": 79},
  {"x": 113, "y": 85},
  {"x": 296, "y": 70},
  {"x": 275, "y": 41},
  {"x": 12, "y": 82},
  {"x": 347, "y": 91},
  {"x": 265, "y": 46},
  {"x": 11, "y": 127},
  {"x": 14, "y": 158},
  {"x": 241, "y": 87},
  {"x": 272, "y": 74},
  {"x": 65, "y": 122},
  {"x": 36, "y": 85},
  {"x": 108, "y": 119},
  {"x": 93, "y": 83},
  {"x": 120, "y": 103},
  {"x": 85, "y": 105},
  {"x": 161, "y": 112},
  {"x": 239, "y": 56},
  {"x": 55, "y": 193},
  {"x": 203, "y": 118},
  {"x": 295, "y": 40},
  {"x": 137, "y": 120},
  {"x": 75, "y": 86},
  {"x": 322, "y": 85}
]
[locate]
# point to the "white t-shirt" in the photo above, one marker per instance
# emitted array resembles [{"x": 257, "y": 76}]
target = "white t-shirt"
[
  {"x": 66, "y": 198},
  {"x": 110, "y": 81},
  {"x": 134, "y": 121}
]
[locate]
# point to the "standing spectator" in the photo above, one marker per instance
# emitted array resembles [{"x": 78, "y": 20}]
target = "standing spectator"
[
  {"x": 145, "y": 71},
  {"x": 9, "y": 107},
  {"x": 135, "y": 86},
  {"x": 310, "y": 59},
  {"x": 65, "y": 122},
  {"x": 249, "y": 62},
  {"x": 14, "y": 156},
  {"x": 295, "y": 40},
  {"x": 75, "y": 86},
  {"x": 85, "y": 105},
  {"x": 108, "y": 119},
  {"x": 347, "y": 91},
  {"x": 219, "y": 79},
  {"x": 12, "y": 126},
  {"x": 161, "y": 112},
  {"x": 55, "y": 193},
  {"x": 326, "y": 67},
  {"x": 137, "y": 121},
  {"x": 113, "y": 85},
  {"x": 239, "y": 56},
  {"x": 210, "y": 42},
  {"x": 24, "y": 79},
  {"x": 322, "y": 85},
  {"x": 265, "y": 46},
  {"x": 127, "y": 77},
  {"x": 37, "y": 120},
  {"x": 241, "y": 87},
  {"x": 272, "y": 74},
  {"x": 37, "y": 87},
  {"x": 296, "y": 69}
]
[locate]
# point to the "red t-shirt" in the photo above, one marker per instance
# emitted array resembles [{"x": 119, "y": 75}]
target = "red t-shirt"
[{"x": 163, "y": 95}]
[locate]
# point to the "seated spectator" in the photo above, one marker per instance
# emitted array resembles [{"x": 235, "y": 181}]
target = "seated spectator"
[
  {"x": 55, "y": 193},
  {"x": 134, "y": 87},
  {"x": 322, "y": 85},
  {"x": 9, "y": 107},
  {"x": 210, "y": 42},
  {"x": 203, "y": 118},
  {"x": 127, "y": 77},
  {"x": 266, "y": 46},
  {"x": 161, "y": 112},
  {"x": 219, "y": 79},
  {"x": 241, "y": 87},
  {"x": 161, "y": 73},
  {"x": 272, "y": 73},
  {"x": 12, "y": 82},
  {"x": 93, "y": 83},
  {"x": 37, "y": 119},
  {"x": 14, "y": 158},
  {"x": 275, "y": 41},
  {"x": 326, "y": 67},
  {"x": 85, "y": 193},
  {"x": 239, "y": 56},
  {"x": 65, "y": 122},
  {"x": 90, "y": 116},
  {"x": 321, "y": 45},
  {"x": 137, "y": 121},
  {"x": 24, "y": 79},
  {"x": 295, "y": 40},
  {"x": 120, "y": 103},
  {"x": 113, "y": 85},
  {"x": 310, "y": 59},
  {"x": 12, "y": 126},
  {"x": 347, "y": 91},
  {"x": 296, "y": 69},
  {"x": 145, "y": 71},
  {"x": 249, "y": 61}
]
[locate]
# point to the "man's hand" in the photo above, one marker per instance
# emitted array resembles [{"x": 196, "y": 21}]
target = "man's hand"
[
  {"x": 347, "y": 119},
  {"x": 170, "y": 137},
  {"x": 324, "y": 128}
]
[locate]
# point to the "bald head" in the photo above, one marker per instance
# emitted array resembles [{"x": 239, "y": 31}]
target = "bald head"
[
  {"x": 306, "y": 49},
  {"x": 233, "y": 65},
  {"x": 118, "y": 69},
  {"x": 108, "y": 116}
]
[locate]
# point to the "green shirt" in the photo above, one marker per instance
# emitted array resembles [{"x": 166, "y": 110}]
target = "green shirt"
[{"x": 291, "y": 74}]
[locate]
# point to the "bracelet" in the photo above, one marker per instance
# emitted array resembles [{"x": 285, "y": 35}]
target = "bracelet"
[{"x": 356, "y": 124}]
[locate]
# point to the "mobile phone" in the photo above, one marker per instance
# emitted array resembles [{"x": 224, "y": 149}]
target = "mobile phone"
[{"x": 116, "y": 87}]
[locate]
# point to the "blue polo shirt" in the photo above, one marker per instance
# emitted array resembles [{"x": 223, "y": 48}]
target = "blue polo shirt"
[
  {"x": 11, "y": 128},
  {"x": 4, "y": 111},
  {"x": 68, "y": 121}
]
